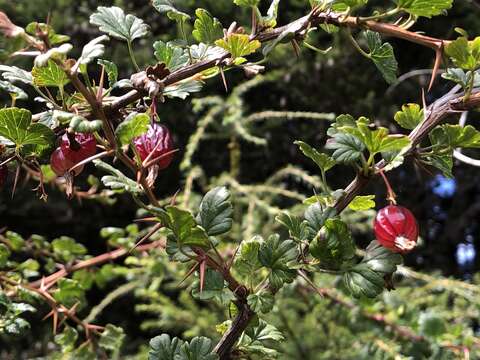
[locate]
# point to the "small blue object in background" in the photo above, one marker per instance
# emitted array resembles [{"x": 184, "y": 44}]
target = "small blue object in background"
[
  {"x": 465, "y": 255},
  {"x": 443, "y": 186}
]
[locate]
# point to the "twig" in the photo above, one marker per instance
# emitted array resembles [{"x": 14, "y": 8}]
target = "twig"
[
  {"x": 451, "y": 103},
  {"x": 298, "y": 27},
  {"x": 95, "y": 261}
]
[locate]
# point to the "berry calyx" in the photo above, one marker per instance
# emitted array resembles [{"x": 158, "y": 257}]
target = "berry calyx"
[
  {"x": 60, "y": 164},
  {"x": 157, "y": 141},
  {"x": 3, "y": 175},
  {"x": 83, "y": 148},
  {"x": 396, "y": 228}
]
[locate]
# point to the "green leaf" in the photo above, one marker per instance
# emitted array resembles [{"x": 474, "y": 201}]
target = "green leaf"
[
  {"x": 57, "y": 53},
  {"x": 382, "y": 56},
  {"x": 117, "y": 181},
  {"x": 464, "y": 54},
  {"x": 375, "y": 141},
  {"x": 4, "y": 255},
  {"x": 343, "y": 5},
  {"x": 164, "y": 348},
  {"x": 112, "y": 338},
  {"x": 174, "y": 253},
  {"x": 367, "y": 277},
  {"x": 200, "y": 348},
  {"x": 173, "y": 56},
  {"x": 238, "y": 45},
  {"x": 275, "y": 255},
  {"x": 348, "y": 148},
  {"x": 29, "y": 267},
  {"x": 16, "y": 125},
  {"x": 261, "y": 302},
  {"x": 431, "y": 324},
  {"x": 16, "y": 326},
  {"x": 246, "y": 3},
  {"x": 395, "y": 142},
  {"x": 15, "y": 74},
  {"x": 323, "y": 161},
  {"x": 69, "y": 292},
  {"x": 133, "y": 126},
  {"x": 67, "y": 339},
  {"x": 426, "y": 8},
  {"x": 410, "y": 116},
  {"x": 213, "y": 286},
  {"x": 113, "y": 21},
  {"x": 341, "y": 122},
  {"x": 182, "y": 89},
  {"x": 263, "y": 332},
  {"x": 215, "y": 211},
  {"x": 167, "y": 6},
  {"x": 443, "y": 162},
  {"x": 50, "y": 75},
  {"x": 13, "y": 90},
  {"x": 297, "y": 227},
  {"x": 53, "y": 37},
  {"x": 15, "y": 241},
  {"x": 333, "y": 244},
  {"x": 185, "y": 228},
  {"x": 455, "y": 136},
  {"x": 111, "y": 70},
  {"x": 361, "y": 203},
  {"x": 460, "y": 77},
  {"x": 207, "y": 29},
  {"x": 246, "y": 261},
  {"x": 316, "y": 215},
  {"x": 67, "y": 248},
  {"x": 92, "y": 50},
  {"x": 270, "y": 21},
  {"x": 394, "y": 159}
]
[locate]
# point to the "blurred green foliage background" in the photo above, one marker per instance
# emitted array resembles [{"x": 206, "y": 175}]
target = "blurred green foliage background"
[{"x": 339, "y": 82}]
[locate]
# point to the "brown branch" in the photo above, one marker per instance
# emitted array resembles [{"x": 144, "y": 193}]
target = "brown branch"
[
  {"x": 239, "y": 324},
  {"x": 56, "y": 307},
  {"x": 387, "y": 30},
  {"x": 230, "y": 337},
  {"x": 298, "y": 28},
  {"x": 95, "y": 261},
  {"x": 451, "y": 103}
]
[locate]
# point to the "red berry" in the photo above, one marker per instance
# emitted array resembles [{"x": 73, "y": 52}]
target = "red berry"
[
  {"x": 3, "y": 175},
  {"x": 86, "y": 143},
  {"x": 157, "y": 140},
  {"x": 396, "y": 228},
  {"x": 60, "y": 164}
]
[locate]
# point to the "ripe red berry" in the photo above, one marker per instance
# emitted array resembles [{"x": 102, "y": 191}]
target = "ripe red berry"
[
  {"x": 85, "y": 147},
  {"x": 3, "y": 175},
  {"x": 156, "y": 140},
  {"x": 60, "y": 164},
  {"x": 396, "y": 228}
]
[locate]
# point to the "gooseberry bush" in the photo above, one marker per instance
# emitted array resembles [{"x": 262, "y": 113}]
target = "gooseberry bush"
[{"x": 233, "y": 247}]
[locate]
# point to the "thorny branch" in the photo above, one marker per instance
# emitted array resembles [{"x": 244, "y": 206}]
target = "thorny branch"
[
  {"x": 452, "y": 103},
  {"x": 298, "y": 29}
]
